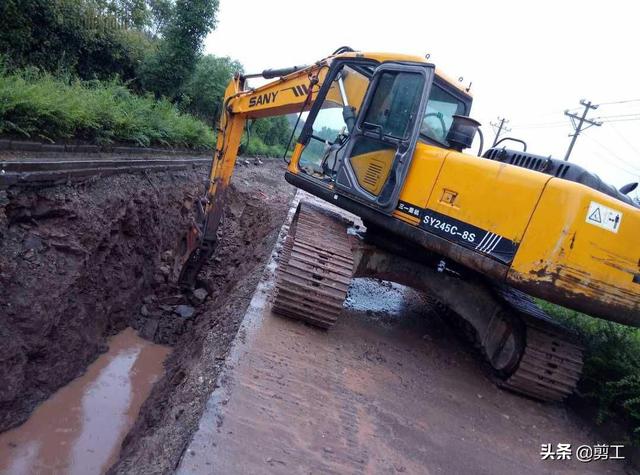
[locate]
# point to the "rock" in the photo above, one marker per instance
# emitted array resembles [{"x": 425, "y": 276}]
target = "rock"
[
  {"x": 247, "y": 163},
  {"x": 34, "y": 243},
  {"x": 185, "y": 311},
  {"x": 167, "y": 256},
  {"x": 257, "y": 161},
  {"x": 144, "y": 311},
  {"x": 158, "y": 279},
  {"x": 175, "y": 299},
  {"x": 200, "y": 294},
  {"x": 166, "y": 308},
  {"x": 165, "y": 270},
  {"x": 148, "y": 331},
  {"x": 149, "y": 298}
]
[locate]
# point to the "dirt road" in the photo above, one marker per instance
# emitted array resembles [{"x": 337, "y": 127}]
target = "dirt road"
[{"x": 390, "y": 389}]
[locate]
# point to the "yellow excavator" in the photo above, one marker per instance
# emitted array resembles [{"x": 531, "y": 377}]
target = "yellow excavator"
[{"x": 382, "y": 137}]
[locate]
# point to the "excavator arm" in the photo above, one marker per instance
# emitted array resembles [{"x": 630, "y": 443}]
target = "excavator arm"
[{"x": 292, "y": 91}]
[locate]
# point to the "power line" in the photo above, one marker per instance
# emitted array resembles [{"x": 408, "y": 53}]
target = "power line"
[
  {"x": 633, "y": 114},
  {"x": 632, "y": 172},
  {"x": 547, "y": 125},
  {"x": 579, "y": 125},
  {"x": 501, "y": 126},
  {"x": 621, "y": 135},
  {"x": 631, "y": 119},
  {"x": 619, "y": 102}
]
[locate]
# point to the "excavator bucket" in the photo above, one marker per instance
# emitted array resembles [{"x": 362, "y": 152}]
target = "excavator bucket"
[{"x": 187, "y": 252}]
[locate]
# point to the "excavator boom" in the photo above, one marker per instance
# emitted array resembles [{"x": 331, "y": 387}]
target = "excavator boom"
[{"x": 292, "y": 93}]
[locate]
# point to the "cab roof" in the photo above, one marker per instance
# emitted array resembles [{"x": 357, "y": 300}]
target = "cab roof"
[{"x": 382, "y": 57}]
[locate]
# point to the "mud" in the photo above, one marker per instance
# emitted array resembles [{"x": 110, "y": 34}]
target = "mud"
[
  {"x": 79, "y": 429},
  {"x": 74, "y": 264},
  {"x": 389, "y": 389},
  {"x": 254, "y": 213},
  {"x": 77, "y": 262}
]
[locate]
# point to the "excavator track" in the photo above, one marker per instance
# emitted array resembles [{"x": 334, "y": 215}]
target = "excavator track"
[
  {"x": 315, "y": 269},
  {"x": 314, "y": 273},
  {"x": 551, "y": 364}
]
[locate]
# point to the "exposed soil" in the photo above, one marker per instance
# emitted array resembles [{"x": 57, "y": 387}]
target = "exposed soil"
[
  {"x": 392, "y": 389},
  {"x": 253, "y": 216},
  {"x": 78, "y": 262}
]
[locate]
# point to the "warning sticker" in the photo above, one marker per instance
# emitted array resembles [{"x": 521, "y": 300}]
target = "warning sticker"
[{"x": 603, "y": 217}]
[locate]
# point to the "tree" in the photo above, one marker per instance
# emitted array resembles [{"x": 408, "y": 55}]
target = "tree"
[
  {"x": 203, "y": 92},
  {"x": 170, "y": 67},
  {"x": 86, "y": 38},
  {"x": 273, "y": 130}
]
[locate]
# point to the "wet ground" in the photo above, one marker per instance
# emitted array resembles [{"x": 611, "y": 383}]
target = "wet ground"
[
  {"x": 390, "y": 389},
  {"x": 81, "y": 263},
  {"x": 79, "y": 429}
]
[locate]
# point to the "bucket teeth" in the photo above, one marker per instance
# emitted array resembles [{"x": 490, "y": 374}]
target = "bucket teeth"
[{"x": 315, "y": 268}]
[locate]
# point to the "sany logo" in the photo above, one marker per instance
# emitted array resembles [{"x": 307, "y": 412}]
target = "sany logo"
[{"x": 267, "y": 98}]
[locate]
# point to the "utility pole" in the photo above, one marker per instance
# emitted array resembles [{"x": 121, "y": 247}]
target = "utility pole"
[
  {"x": 500, "y": 127},
  {"x": 578, "y": 126}
]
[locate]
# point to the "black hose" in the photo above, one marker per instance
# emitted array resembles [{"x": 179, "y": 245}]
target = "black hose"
[
  {"x": 481, "y": 142},
  {"x": 524, "y": 144},
  {"x": 343, "y": 49}
]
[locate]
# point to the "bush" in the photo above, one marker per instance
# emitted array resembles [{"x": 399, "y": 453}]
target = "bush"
[
  {"x": 611, "y": 372},
  {"x": 257, "y": 148},
  {"x": 38, "y": 105}
]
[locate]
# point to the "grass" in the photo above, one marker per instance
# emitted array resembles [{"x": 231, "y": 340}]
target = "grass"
[
  {"x": 611, "y": 373},
  {"x": 40, "y": 106}
]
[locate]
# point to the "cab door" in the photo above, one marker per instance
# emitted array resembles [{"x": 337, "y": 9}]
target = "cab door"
[{"x": 383, "y": 140}]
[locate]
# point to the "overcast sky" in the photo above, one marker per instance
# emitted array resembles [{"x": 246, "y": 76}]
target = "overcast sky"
[{"x": 528, "y": 61}]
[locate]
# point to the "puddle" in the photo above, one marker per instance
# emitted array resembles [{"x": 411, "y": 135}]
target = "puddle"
[
  {"x": 377, "y": 296},
  {"x": 80, "y": 428}
]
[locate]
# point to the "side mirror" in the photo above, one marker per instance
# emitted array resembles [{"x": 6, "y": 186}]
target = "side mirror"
[{"x": 462, "y": 132}]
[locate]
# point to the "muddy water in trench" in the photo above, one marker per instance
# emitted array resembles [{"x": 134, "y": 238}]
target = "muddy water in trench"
[{"x": 79, "y": 429}]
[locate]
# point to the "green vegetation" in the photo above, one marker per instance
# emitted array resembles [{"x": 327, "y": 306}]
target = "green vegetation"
[
  {"x": 611, "y": 373},
  {"x": 202, "y": 94},
  {"x": 117, "y": 71},
  {"x": 39, "y": 106},
  {"x": 90, "y": 39},
  {"x": 172, "y": 64}
]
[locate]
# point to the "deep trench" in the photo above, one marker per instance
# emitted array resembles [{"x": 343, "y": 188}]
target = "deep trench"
[{"x": 79, "y": 263}]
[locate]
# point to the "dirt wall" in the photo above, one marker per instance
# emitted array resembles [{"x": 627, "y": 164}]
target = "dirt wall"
[{"x": 75, "y": 262}]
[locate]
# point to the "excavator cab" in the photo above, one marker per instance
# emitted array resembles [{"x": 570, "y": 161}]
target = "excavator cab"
[{"x": 368, "y": 117}]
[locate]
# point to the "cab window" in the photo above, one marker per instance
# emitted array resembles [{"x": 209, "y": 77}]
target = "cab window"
[
  {"x": 441, "y": 108},
  {"x": 394, "y": 104}
]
